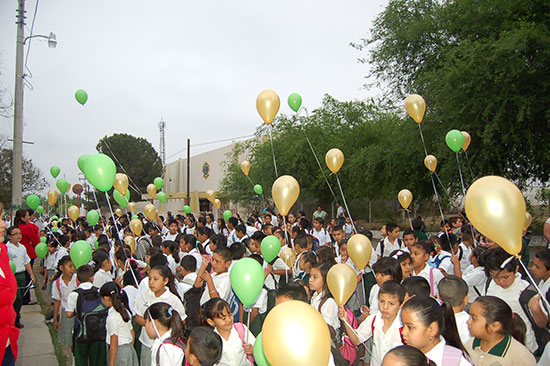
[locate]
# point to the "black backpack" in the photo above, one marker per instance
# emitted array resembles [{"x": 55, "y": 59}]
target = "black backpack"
[
  {"x": 91, "y": 316},
  {"x": 381, "y": 242},
  {"x": 542, "y": 335},
  {"x": 178, "y": 342}
]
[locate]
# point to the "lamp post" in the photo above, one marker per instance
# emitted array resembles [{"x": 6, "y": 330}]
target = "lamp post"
[{"x": 17, "y": 169}]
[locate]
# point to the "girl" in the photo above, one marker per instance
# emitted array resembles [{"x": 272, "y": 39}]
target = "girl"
[
  {"x": 236, "y": 338},
  {"x": 163, "y": 324},
  {"x": 210, "y": 223},
  {"x": 190, "y": 245},
  {"x": 474, "y": 275},
  {"x": 120, "y": 335},
  {"x": 386, "y": 269},
  {"x": 406, "y": 356},
  {"x": 431, "y": 328},
  {"x": 63, "y": 284},
  {"x": 307, "y": 260},
  {"x": 50, "y": 264},
  {"x": 222, "y": 228},
  {"x": 321, "y": 298},
  {"x": 420, "y": 254},
  {"x": 326, "y": 255},
  {"x": 405, "y": 261},
  {"x": 102, "y": 267},
  {"x": 172, "y": 253},
  {"x": 498, "y": 334}
]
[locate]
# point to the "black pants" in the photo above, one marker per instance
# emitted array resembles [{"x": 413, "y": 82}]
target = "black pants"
[
  {"x": 27, "y": 296},
  {"x": 8, "y": 360}
]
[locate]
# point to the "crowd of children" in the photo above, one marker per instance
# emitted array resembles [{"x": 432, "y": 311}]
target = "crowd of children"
[{"x": 165, "y": 297}]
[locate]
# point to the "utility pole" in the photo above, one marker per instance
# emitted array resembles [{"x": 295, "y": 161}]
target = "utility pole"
[
  {"x": 17, "y": 169},
  {"x": 188, "y": 171}
]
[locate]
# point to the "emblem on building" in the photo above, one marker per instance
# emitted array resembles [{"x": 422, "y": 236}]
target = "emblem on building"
[{"x": 205, "y": 170}]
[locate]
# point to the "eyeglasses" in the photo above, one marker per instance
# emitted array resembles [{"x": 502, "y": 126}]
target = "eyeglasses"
[{"x": 13, "y": 234}]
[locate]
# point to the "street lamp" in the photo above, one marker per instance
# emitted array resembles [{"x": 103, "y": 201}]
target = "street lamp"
[{"x": 17, "y": 169}]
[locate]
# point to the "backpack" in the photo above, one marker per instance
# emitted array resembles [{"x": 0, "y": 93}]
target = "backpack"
[
  {"x": 542, "y": 335},
  {"x": 400, "y": 330},
  {"x": 178, "y": 342},
  {"x": 241, "y": 330},
  {"x": 142, "y": 245},
  {"x": 438, "y": 259},
  {"x": 90, "y": 316},
  {"x": 348, "y": 350},
  {"x": 451, "y": 356},
  {"x": 381, "y": 243}
]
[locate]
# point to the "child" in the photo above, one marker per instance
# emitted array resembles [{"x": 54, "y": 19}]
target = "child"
[
  {"x": 236, "y": 338},
  {"x": 445, "y": 259},
  {"x": 384, "y": 326},
  {"x": 348, "y": 227},
  {"x": 339, "y": 236},
  {"x": 171, "y": 251},
  {"x": 417, "y": 227},
  {"x": 386, "y": 269},
  {"x": 420, "y": 255},
  {"x": 431, "y": 328},
  {"x": 173, "y": 230},
  {"x": 321, "y": 298},
  {"x": 474, "y": 275},
  {"x": 465, "y": 248},
  {"x": 161, "y": 289},
  {"x": 405, "y": 261},
  {"x": 454, "y": 291},
  {"x": 63, "y": 285},
  {"x": 188, "y": 245},
  {"x": 319, "y": 232},
  {"x": 406, "y": 356},
  {"x": 204, "y": 347},
  {"x": 219, "y": 284},
  {"x": 50, "y": 264},
  {"x": 541, "y": 269},
  {"x": 498, "y": 334},
  {"x": 409, "y": 238},
  {"x": 416, "y": 286},
  {"x": 307, "y": 260},
  {"x": 163, "y": 324},
  {"x": 120, "y": 334},
  {"x": 300, "y": 247},
  {"x": 391, "y": 242},
  {"x": 102, "y": 267},
  {"x": 259, "y": 309}
]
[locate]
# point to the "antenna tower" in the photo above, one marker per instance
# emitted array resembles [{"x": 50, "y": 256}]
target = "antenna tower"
[{"x": 162, "y": 149}]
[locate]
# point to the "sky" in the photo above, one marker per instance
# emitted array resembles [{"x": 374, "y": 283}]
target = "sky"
[{"x": 197, "y": 64}]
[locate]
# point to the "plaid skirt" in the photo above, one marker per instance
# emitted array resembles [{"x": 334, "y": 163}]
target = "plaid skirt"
[
  {"x": 125, "y": 355},
  {"x": 65, "y": 329}
]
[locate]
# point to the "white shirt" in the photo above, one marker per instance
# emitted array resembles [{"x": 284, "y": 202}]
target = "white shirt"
[
  {"x": 101, "y": 277},
  {"x": 382, "y": 342},
  {"x": 278, "y": 265},
  {"x": 233, "y": 351},
  {"x": 446, "y": 262},
  {"x": 169, "y": 354},
  {"x": 348, "y": 229},
  {"x": 250, "y": 230},
  {"x": 323, "y": 236},
  {"x": 388, "y": 247},
  {"x": 195, "y": 253},
  {"x": 131, "y": 293},
  {"x": 466, "y": 252},
  {"x": 231, "y": 238},
  {"x": 435, "y": 274},
  {"x": 18, "y": 255},
  {"x": 186, "y": 283},
  {"x": 340, "y": 212},
  {"x": 474, "y": 277},
  {"x": 222, "y": 284},
  {"x": 50, "y": 262},
  {"x": 260, "y": 303},
  {"x": 436, "y": 354},
  {"x": 329, "y": 310},
  {"x": 171, "y": 263},
  {"x": 207, "y": 248},
  {"x": 66, "y": 289},
  {"x": 117, "y": 326},
  {"x": 373, "y": 298},
  {"x": 171, "y": 237},
  {"x": 73, "y": 296},
  {"x": 462, "y": 325},
  {"x": 296, "y": 268}
]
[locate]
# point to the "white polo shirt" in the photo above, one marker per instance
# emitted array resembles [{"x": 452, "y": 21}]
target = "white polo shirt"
[
  {"x": 233, "y": 351},
  {"x": 117, "y": 326},
  {"x": 18, "y": 255},
  {"x": 169, "y": 354},
  {"x": 474, "y": 277},
  {"x": 61, "y": 292},
  {"x": 433, "y": 273},
  {"x": 322, "y": 236},
  {"x": 222, "y": 283},
  {"x": 382, "y": 342},
  {"x": 329, "y": 310},
  {"x": 436, "y": 354},
  {"x": 101, "y": 277}
]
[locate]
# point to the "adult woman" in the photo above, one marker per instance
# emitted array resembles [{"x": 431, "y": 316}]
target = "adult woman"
[{"x": 30, "y": 239}]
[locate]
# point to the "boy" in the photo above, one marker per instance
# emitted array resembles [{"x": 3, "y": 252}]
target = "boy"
[
  {"x": 240, "y": 233},
  {"x": 348, "y": 227},
  {"x": 231, "y": 225},
  {"x": 444, "y": 227},
  {"x": 409, "y": 238},
  {"x": 444, "y": 259},
  {"x": 217, "y": 285},
  {"x": 300, "y": 246},
  {"x": 50, "y": 264},
  {"x": 415, "y": 286},
  {"x": 455, "y": 224},
  {"x": 319, "y": 232},
  {"x": 541, "y": 269},
  {"x": 453, "y": 290},
  {"x": 338, "y": 235},
  {"x": 391, "y": 242},
  {"x": 203, "y": 235},
  {"x": 417, "y": 227},
  {"x": 204, "y": 347},
  {"x": 465, "y": 248},
  {"x": 173, "y": 230},
  {"x": 255, "y": 241},
  {"x": 420, "y": 255},
  {"x": 267, "y": 229}
]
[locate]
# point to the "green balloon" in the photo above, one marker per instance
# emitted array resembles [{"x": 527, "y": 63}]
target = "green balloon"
[
  {"x": 41, "y": 250},
  {"x": 96, "y": 244},
  {"x": 82, "y": 162},
  {"x": 40, "y": 209},
  {"x": 81, "y": 96},
  {"x": 227, "y": 215},
  {"x": 162, "y": 197},
  {"x": 259, "y": 355},
  {"x": 100, "y": 172},
  {"x": 158, "y": 182},
  {"x": 120, "y": 199},
  {"x": 127, "y": 195},
  {"x": 186, "y": 209},
  {"x": 247, "y": 280},
  {"x": 294, "y": 101},
  {"x": 81, "y": 253},
  {"x": 54, "y": 229},
  {"x": 55, "y": 218},
  {"x": 62, "y": 185},
  {"x": 270, "y": 247},
  {"x": 92, "y": 217},
  {"x": 258, "y": 189},
  {"x": 135, "y": 217},
  {"x": 43, "y": 239},
  {"x": 33, "y": 201},
  {"x": 54, "y": 171},
  {"x": 454, "y": 140},
  {"x": 12, "y": 265}
]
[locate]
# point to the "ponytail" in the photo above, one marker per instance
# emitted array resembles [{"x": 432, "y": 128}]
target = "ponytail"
[
  {"x": 169, "y": 317},
  {"x": 165, "y": 272},
  {"x": 450, "y": 330},
  {"x": 119, "y": 300},
  {"x": 171, "y": 246},
  {"x": 64, "y": 260},
  {"x": 495, "y": 309},
  {"x": 98, "y": 258}
]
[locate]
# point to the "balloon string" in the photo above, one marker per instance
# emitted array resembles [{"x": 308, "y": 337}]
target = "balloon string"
[
  {"x": 461, "y": 178},
  {"x": 469, "y": 166},
  {"x": 345, "y": 203},
  {"x": 422, "y": 136},
  {"x": 158, "y": 336},
  {"x": 439, "y": 205},
  {"x": 351, "y": 328},
  {"x": 534, "y": 283},
  {"x": 443, "y": 186},
  {"x": 273, "y": 151},
  {"x": 98, "y": 209},
  {"x": 47, "y": 228},
  {"x": 410, "y": 221},
  {"x": 250, "y": 180},
  {"x": 248, "y": 325}
]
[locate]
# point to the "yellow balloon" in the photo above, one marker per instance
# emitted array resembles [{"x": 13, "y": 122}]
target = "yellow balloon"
[
  {"x": 359, "y": 250},
  {"x": 341, "y": 281},
  {"x": 152, "y": 190},
  {"x": 131, "y": 242},
  {"x": 210, "y": 195},
  {"x": 245, "y": 167},
  {"x": 467, "y": 140},
  {"x": 288, "y": 256},
  {"x": 405, "y": 198},
  {"x": 136, "y": 225},
  {"x": 217, "y": 203},
  {"x": 268, "y": 103},
  {"x": 118, "y": 212},
  {"x": 496, "y": 207},
  {"x": 150, "y": 211},
  {"x": 121, "y": 183},
  {"x": 528, "y": 220},
  {"x": 294, "y": 333},
  {"x": 52, "y": 196},
  {"x": 285, "y": 192},
  {"x": 334, "y": 159},
  {"x": 73, "y": 212},
  {"x": 416, "y": 107},
  {"x": 430, "y": 162},
  {"x": 54, "y": 223},
  {"x": 132, "y": 207}
]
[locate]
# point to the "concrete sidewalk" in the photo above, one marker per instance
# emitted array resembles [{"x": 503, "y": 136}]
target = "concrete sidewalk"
[{"x": 35, "y": 343}]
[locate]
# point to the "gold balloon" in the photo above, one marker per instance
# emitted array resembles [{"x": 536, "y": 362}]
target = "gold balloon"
[
  {"x": 528, "y": 220},
  {"x": 245, "y": 167},
  {"x": 150, "y": 211},
  {"x": 210, "y": 195},
  {"x": 430, "y": 162},
  {"x": 118, "y": 212},
  {"x": 54, "y": 223},
  {"x": 341, "y": 281},
  {"x": 416, "y": 107},
  {"x": 359, "y": 250},
  {"x": 136, "y": 225},
  {"x": 52, "y": 196},
  {"x": 268, "y": 103},
  {"x": 152, "y": 190},
  {"x": 334, "y": 159},
  {"x": 285, "y": 192},
  {"x": 132, "y": 207},
  {"x": 74, "y": 212},
  {"x": 294, "y": 333},
  {"x": 288, "y": 256},
  {"x": 217, "y": 203},
  {"x": 467, "y": 140},
  {"x": 496, "y": 207},
  {"x": 121, "y": 183},
  {"x": 405, "y": 198},
  {"x": 131, "y": 242}
]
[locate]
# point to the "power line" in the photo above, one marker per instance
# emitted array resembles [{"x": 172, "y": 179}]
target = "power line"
[{"x": 211, "y": 142}]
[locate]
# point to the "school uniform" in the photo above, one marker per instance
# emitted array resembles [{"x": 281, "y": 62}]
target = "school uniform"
[
  {"x": 250, "y": 230},
  {"x": 464, "y": 253},
  {"x": 50, "y": 262},
  {"x": 195, "y": 253},
  {"x": 382, "y": 342},
  {"x": 329, "y": 310},
  {"x": 131, "y": 294},
  {"x": 389, "y": 247},
  {"x": 188, "y": 230},
  {"x": 443, "y": 259},
  {"x": 462, "y": 326},
  {"x": 296, "y": 271},
  {"x": 171, "y": 237},
  {"x": 432, "y": 275},
  {"x": 207, "y": 249},
  {"x": 126, "y": 354},
  {"x": 168, "y": 353},
  {"x": 322, "y": 236},
  {"x": 476, "y": 279},
  {"x": 186, "y": 284},
  {"x": 101, "y": 277},
  {"x": 222, "y": 284},
  {"x": 272, "y": 280},
  {"x": 438, "y": 354},
  {"x": 18, "y": 255},
  {"x": 233, "y": 351},
  {"x": 171, "y": 263},
  {"x": 508, "y": 352},
  {"x": 60, "y": 292},
  {"x": 231, "y": 238},
  {"x": 373, "y": 298}
]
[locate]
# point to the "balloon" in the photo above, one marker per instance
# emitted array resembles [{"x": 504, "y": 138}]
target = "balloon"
[
  {"x": 158, "y": 182},
  {"x": 467, "y": 140},
  {"x": 416, "y": 107},
  {"x": 259, "y": 355},
  {"x": 152, "y": 190},
  {"x": 77, "y": 189},
  {"x": 54, "y": 171},
  {"x": 285, "y": 192},
  {"x": 295, "y": 333},
  {"x": 288, "y": 256},
  {"x": 81, "y": 253},
  {"x": 135, "y": 217},
  {"x": 496, "y": 207},
  {"x": 68, "y": 187},
  {"x": 359, "y": 250},
  {"x": 270, "y": 247},
  {"x": 341, "y": 281},
  {"x": 54, "y": 223},
  {"x": 120, "y": 199},
  {"x": 150, "y": 211},
  {"x": 268, "y": 103},
  {"x": 121, "y": 183},
  {"x": 294, "y": 101},
  {"x": 52, "y": 196},
  {"x": 41, "y": 250},
  {"x": 430, "y": 162},
  {"x": 245, "y": 167},
  {"x": 136, "y": 225},
  {"x": 101, "y": 172},
  {"x": 55, "y": 218},
  {"x": 217, "y": 203},
  {"x": 528, "y": 220},
  {"x": 247, "y": 280},
  {"x": 258, "y": 189},
  {"x": 62, "y": 185},
  {"x": 54, "y": 229},
  {"x": 132, "y": 206},
  {"x": 186, "y": 209},
  {"x": 92, "y": 217},
  {"x": 118, "y": 212},
  {"x": 96, "y": 244},
  {"x": 162, "y": 197},
  {"x": 13, "y": 268},
  {"x": 210, "y": 195},
  {"x": 127, "y": 195},
  {"x": 82, "y": 162},
  {"x": 43, "y": 239},
  {"x": 74, "y": 212},
  {"x": 131, "y": 242},
  {"x": 40, "y": 209},
  {"x": 334, "y": 159},
  {"x": 81, "y": 96},
  {"x": 455, "y": 140},
  {"x": 405, "y": 198},
  {"x": 33, "y": 201},
  {"x": 227, "y": 214}
]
